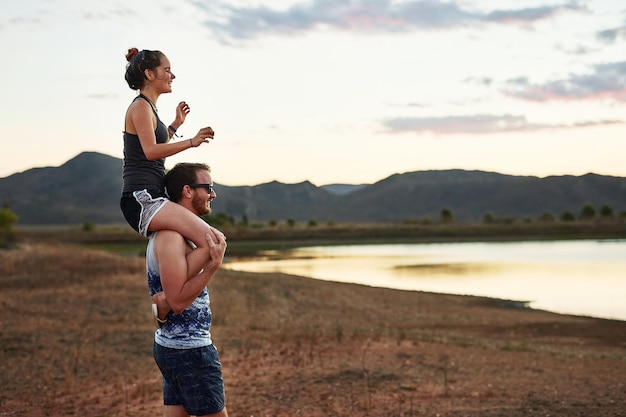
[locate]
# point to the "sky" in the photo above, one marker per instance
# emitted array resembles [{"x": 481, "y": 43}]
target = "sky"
[{"x": 327, "y": 91}]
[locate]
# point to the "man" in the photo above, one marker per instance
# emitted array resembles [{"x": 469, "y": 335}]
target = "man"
[{"x": 183, "y": 349}]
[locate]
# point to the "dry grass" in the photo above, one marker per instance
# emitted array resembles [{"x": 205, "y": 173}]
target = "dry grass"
[{"x": 77, "y": 340}]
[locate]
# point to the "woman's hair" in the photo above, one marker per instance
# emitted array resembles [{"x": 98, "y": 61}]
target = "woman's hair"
[
  {"x": 183, "y": 173},
  {"x": 138, "y": 62}
]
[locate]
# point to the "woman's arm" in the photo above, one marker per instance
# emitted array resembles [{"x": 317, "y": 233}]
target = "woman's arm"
[
  {"x": 182, "y": 110},
  {"x": 144, "y": 123}
]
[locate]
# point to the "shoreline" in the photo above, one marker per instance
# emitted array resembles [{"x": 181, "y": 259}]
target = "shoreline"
[
  {"x": 243, "y": 243},
  {"x": 77, "y": 340},
  {"x": 509, "y": 303},
  {"x": 566, "y": 277}
]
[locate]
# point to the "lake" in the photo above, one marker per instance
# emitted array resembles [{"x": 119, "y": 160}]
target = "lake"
[{"x": 581, "y": 277}]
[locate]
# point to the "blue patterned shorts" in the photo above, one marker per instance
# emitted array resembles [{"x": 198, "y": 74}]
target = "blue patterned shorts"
[{"x": 191, "y": 378}]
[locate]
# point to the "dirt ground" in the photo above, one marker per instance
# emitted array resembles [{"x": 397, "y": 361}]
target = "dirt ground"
[{"x": 77, "y": 335}]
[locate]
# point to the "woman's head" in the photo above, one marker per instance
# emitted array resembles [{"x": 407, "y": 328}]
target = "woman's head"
[{"x": 138, "y": 63}]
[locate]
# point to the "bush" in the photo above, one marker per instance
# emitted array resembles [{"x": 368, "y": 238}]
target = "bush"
[
  {"x": 547, "y": 217},
  {"x": 588, "y": 212},
  {"x": 446, "y": 216},
  {"x": 7, "y": 219},
  {"x": 7, "y": 234},
  {"x": 606, "y": 212},
  {"x": 88, "y": 226}
]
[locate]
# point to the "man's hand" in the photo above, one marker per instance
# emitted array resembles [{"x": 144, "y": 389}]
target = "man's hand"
[
  {"x": 217, "y": 248},
  {"x": 219, "y": 232}
]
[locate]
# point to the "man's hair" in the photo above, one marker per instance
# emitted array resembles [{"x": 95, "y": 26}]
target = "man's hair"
[{"x": 182, "y": 174}]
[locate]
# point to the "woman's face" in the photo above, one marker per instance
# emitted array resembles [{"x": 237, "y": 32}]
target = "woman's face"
[{"x": 163, "y": 76}]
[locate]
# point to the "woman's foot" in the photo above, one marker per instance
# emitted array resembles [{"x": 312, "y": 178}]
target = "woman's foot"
[{"x": 160, "y": 308}]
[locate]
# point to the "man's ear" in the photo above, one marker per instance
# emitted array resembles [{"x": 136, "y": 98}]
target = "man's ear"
[{"x": 186, "y": 191}]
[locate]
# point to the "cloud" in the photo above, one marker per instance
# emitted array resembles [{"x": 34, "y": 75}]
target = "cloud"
[
  {"x": 606, "y": 81},
  {"x": 116, "y": 11},
  {"x": 611, "y": 35},
  {"x": 529, "y": 14},
  {"x": 361, "y": 15},
  {"x": 483, "y": 81},
  {"x": 476, "y": 124}
]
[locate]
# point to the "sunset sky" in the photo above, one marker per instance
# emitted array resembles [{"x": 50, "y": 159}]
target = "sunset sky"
[{"x": 330, "y": 91}]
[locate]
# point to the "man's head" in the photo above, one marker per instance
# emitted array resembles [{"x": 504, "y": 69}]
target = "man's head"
[{"x": 190, "y": 185}]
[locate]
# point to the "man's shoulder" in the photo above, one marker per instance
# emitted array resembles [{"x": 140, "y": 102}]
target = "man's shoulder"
[
  {"x": 168, "y": 237},
  {"x": 167, "y": 233}
]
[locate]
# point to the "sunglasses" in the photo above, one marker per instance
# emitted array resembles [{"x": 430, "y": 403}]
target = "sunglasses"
[{"x": 207, "y": 187}]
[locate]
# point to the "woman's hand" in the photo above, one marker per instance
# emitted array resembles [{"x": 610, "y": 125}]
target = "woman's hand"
[
  {"x": 203, "y": 136},
  {"x": 182, "y": 110}
]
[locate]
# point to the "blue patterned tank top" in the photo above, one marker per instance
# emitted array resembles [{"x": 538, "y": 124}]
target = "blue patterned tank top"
[{"x": 189, "y": 329}]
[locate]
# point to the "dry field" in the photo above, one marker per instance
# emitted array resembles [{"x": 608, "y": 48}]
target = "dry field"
[{"x": 76, "y": 340}]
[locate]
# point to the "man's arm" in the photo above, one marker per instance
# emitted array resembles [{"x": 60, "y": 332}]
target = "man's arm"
[
  {"x": 197, "y": 259},
  {"x": 171, "y": 250}
]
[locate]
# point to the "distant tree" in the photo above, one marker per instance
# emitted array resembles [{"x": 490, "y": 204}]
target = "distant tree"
[
  {"x": 423, "y": 220},
  {"x": 446, "y": 216},
  {"x": 312, "y": 223},
  {"x": 291, "y": 223},
  {"x": 219, "y": 220},
  {"x": 547, "y": 217},
  {"x": 7, "y": 219},
  {"x": 488, "y": 218},
  {"x": 568, "y": 216},
  {"x": 88, "y": 226},
  {"x": 606, "y": 212},
  {"x": 272, "y": 223},
  {"x": 588, "y": 212}
]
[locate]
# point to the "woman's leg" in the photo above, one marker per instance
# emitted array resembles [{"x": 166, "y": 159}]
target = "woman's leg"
[{"x": 175, "y": 217}]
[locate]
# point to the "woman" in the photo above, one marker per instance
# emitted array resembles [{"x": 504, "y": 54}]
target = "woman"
[{"x": 146, "y": 145}]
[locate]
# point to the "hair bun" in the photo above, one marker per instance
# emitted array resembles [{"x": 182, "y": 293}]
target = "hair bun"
[{"x": 131, "y": 53}]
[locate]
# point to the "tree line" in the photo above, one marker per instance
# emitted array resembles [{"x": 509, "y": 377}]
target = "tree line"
[
  {"x": 587, "y": 213},
  {"x": 446, "y": 216}
]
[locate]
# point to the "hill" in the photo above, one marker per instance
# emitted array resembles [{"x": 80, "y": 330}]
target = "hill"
[{"x": 87, "y": 188}]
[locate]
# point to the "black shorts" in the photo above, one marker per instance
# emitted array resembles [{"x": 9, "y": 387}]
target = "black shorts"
[{"x": 140, "y": 207}]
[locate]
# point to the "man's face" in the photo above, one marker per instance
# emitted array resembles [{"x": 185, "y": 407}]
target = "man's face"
[{"x": 201, "y": 200}]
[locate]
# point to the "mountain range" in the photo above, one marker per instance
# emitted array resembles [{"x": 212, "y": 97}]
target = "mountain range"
[{"x": 87, "y": 189}]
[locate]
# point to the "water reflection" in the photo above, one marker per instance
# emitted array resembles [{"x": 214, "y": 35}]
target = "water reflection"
[{"x": 574, "y": 277}]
